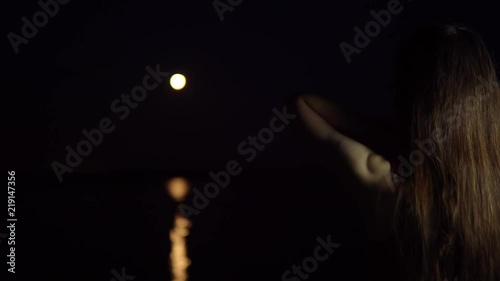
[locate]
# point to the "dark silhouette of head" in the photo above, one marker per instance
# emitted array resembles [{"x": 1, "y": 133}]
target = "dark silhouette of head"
[{"x": 448, "y": 210}]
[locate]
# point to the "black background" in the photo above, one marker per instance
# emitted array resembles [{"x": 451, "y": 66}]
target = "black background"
[{"x": 113, "y": 212}]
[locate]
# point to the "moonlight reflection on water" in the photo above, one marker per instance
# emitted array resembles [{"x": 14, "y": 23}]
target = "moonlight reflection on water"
[{"x": 179, "y": 260}]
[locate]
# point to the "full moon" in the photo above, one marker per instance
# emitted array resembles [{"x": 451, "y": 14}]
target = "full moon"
[{"x": 177, "y": 81}]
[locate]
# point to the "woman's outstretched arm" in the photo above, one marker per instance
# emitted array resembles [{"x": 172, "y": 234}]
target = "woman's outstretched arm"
[
  {"x": 366, "y": 174},
  {"x": 332, "y": 125}
]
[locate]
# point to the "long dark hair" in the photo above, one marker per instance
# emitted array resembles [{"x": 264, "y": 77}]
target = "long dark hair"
[{"x": 448, "y": 211}]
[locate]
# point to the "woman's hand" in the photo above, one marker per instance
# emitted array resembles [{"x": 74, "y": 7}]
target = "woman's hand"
[
  {"x": 366, "y": 174},
  {"x": 324, "y": 119}
]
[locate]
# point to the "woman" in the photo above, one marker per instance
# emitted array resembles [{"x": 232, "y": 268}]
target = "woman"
[{"x": 447, "y": 202}]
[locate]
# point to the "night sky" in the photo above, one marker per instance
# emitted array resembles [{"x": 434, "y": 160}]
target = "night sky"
[{"x": 111, "y": 211}]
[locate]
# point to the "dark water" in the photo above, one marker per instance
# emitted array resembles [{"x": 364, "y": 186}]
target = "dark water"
[{"x": 257, "y": 228}]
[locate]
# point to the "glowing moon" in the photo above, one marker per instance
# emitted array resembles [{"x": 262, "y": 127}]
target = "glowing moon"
[{"x": 177, "y": 81}]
